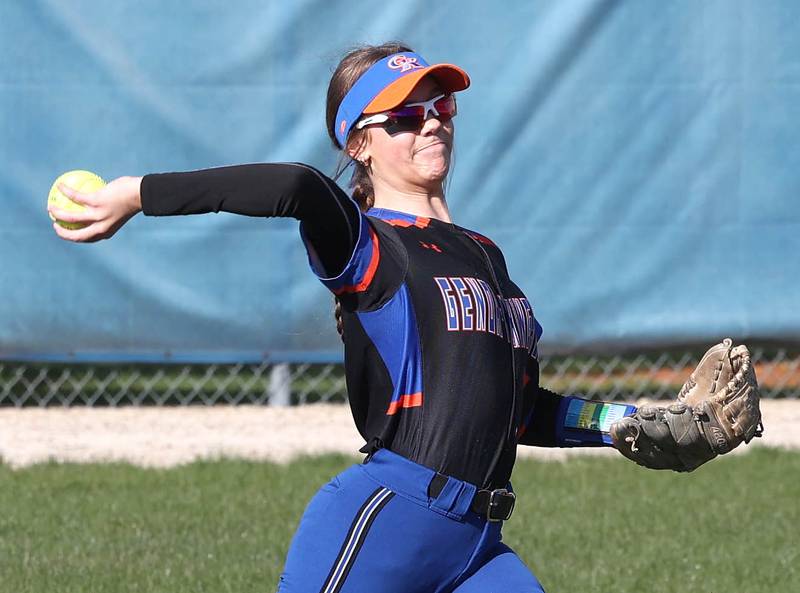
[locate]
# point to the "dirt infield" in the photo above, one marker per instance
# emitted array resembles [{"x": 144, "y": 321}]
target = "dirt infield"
[{"x": 164, "y": 437}]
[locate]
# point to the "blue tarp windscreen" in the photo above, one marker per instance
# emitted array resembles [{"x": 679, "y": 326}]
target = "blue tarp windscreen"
[{"x": 637, "y": 161}]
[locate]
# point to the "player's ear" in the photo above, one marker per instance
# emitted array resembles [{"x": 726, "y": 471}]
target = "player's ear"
[{"x": 358, "y": 146}]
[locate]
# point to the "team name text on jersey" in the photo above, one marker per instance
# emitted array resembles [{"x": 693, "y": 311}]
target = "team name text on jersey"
[{"x": 470, "y": 304}]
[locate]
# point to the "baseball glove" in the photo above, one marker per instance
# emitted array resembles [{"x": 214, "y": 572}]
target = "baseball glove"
[{"x": 717, "y": 408}]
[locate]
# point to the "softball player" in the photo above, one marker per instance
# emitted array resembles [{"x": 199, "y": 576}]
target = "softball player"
[{"x": 440, "y": 344}]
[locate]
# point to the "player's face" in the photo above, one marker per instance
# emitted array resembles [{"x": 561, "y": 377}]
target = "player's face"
[{"x": 419, "y": 159}]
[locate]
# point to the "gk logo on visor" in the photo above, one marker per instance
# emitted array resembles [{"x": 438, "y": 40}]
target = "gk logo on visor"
[{"x": 403, "y": 63}]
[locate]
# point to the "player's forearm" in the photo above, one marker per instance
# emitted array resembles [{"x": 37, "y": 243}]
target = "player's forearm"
[{"x": 570, "y": 421}]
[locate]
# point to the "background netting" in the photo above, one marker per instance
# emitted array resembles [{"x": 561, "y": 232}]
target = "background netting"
[{"x": 657, "y": 375}]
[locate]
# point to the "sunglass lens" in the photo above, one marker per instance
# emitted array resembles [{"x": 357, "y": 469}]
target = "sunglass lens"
[
  {"x": 446, "y": 107},
  {"x": 404, "y": 123}
]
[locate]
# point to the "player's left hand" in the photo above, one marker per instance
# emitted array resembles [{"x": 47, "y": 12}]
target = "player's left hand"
[
  {"x": 716, "y": 410},
  {"x": 106, "y": 210}
]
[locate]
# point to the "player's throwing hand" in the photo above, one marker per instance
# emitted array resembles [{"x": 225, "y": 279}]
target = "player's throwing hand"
[{"x": 106, "y": 210}]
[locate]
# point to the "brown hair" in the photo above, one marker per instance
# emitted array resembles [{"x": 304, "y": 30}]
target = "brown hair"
[{"x": 350, "y": 68}]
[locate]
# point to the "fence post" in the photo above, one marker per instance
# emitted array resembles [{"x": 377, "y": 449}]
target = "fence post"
[{"x": 280, "y": 392}]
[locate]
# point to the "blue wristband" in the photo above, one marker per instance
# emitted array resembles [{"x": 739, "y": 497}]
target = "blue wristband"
[{"x": 584, "y": 423}]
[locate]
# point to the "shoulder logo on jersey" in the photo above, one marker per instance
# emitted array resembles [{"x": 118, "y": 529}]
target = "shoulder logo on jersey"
[
  {"x": 470, "y": 305},
  {"x": 403, "y": 63},
  {"x": 431, "y": 246}
]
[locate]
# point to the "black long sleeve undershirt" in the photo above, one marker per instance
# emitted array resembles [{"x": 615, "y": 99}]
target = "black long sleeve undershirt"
[
  {"x": 330, "y": 218},
  {"x": 542, "y": 430}
]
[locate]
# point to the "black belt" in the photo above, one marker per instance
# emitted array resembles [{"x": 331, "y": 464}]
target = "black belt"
[{"x": 495, "y": 505}]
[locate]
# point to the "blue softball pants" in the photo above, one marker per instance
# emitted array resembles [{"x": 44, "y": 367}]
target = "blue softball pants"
[{"x": 374, "y": 529}]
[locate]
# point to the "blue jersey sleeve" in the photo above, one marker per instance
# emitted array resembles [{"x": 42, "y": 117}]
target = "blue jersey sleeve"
[{"x": 374, "y": 271}]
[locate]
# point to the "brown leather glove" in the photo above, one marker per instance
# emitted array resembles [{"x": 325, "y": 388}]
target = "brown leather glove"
[{"x": 717, "y": 408}]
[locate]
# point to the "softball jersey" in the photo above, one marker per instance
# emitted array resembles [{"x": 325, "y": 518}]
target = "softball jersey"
[{"x": 440, "y": 345}]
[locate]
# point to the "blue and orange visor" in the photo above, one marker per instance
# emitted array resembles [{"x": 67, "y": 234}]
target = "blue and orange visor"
[{"x": 388, "y": 83}]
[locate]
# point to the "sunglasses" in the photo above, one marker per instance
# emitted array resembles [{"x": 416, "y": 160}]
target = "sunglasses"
[{"x": 410, "y": 117}]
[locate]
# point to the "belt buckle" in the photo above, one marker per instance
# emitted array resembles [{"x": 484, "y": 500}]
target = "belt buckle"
[{"x": 495, "y": 504}]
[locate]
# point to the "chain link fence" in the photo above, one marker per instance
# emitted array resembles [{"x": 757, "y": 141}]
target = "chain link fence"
[{"x": 627, "y": 378}]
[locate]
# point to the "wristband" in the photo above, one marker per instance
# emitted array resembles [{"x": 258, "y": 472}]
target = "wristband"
[{"x": 584, "y": 423}]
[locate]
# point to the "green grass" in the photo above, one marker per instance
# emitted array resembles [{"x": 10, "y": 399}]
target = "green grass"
[{"x": 588, "y": 525}]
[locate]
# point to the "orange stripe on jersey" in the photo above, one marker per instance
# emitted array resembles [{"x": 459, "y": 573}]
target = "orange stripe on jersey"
[
  {"x": 371, "y": 268},
  {"x": 420, "y": 222},
  {"x": 411, "y": 400}
]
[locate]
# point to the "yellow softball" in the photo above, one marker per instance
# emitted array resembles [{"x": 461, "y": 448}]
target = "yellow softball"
[{"x": 82, "y": 181}]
